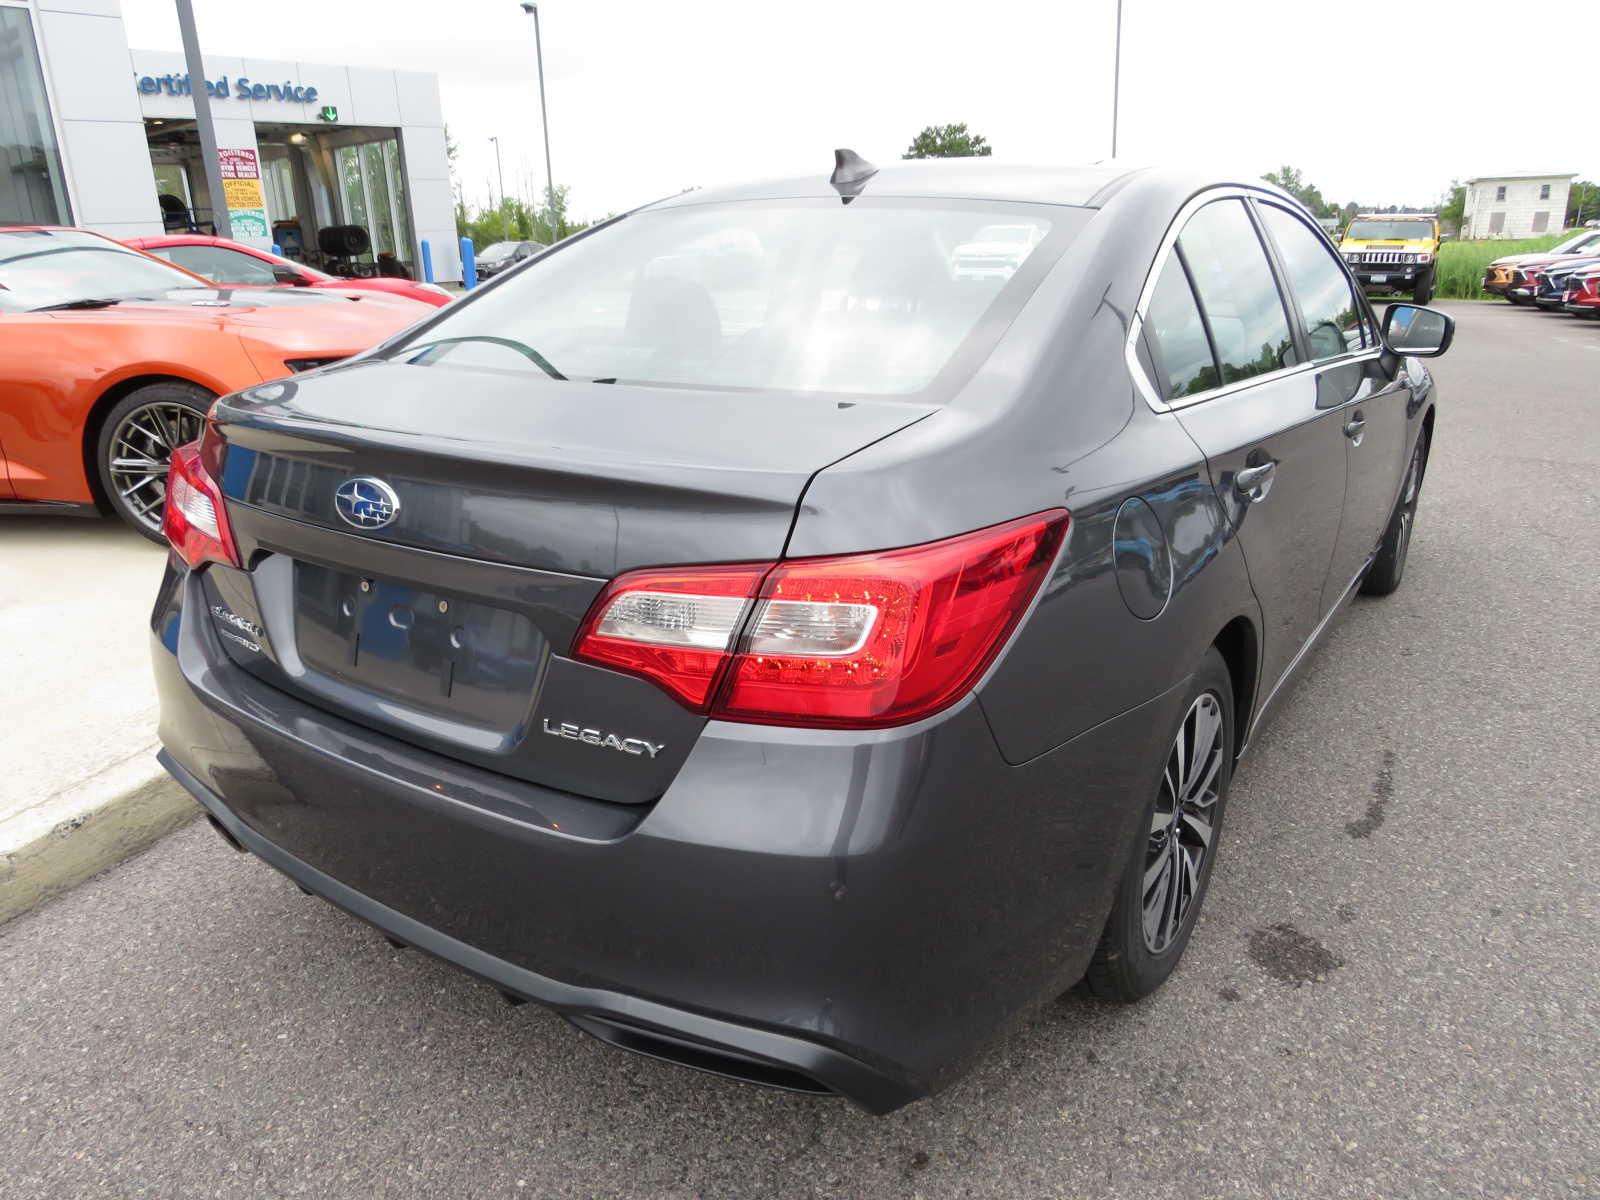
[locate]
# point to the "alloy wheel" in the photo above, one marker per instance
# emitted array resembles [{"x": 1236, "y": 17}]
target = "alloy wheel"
[
  {"x": 141, "y": 451},
  {"x": 1184, "y": 824},
  {"x": 1408, "y": 502}
]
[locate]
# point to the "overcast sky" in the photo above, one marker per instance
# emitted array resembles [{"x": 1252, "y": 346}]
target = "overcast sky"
[{"x": 647, "y": 99}]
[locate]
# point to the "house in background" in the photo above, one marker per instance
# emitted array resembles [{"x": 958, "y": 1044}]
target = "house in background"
[{"x": 1517, "y": 204}]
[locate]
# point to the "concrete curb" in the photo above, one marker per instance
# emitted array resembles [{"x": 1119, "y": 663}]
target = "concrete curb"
[{"x": 63, "y": 840}]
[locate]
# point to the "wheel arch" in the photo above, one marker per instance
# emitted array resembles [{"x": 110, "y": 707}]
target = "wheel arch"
[
  {"x": 96, "y": 419},
  {"x": 1240, "y": 649}
]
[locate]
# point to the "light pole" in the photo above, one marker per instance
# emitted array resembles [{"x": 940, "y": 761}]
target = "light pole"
[
  {"x": 544, "y": 112},
  {"x": 202, "y": 120},
  {"x": 1116, "y": 81},
  {"x": 498, "y": 170}
]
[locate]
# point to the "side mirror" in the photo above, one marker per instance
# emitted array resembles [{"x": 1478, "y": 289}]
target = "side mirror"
[
  {"x": 1443, "y": 238},
  {"x": 1417, "y": 331},
  {"x": 286, "y": 274}
]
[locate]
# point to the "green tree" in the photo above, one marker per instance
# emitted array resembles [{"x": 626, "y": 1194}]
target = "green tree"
[
  {"x": 1583, "y": 202},
  {"x": 515, "y": 220},
  {"x": 1453, "y": 212},
  {"x": 947, "y": 141},
  {"x": 1292, "y": 181}
]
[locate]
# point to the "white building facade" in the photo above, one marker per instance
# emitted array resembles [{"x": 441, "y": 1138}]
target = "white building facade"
[
  {"x": 1517, "y": 205},
  {"x": 96, "y": 134}
]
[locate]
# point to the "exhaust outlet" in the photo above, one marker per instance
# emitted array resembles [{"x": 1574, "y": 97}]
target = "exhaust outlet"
[{"x": 222, "y": 832}]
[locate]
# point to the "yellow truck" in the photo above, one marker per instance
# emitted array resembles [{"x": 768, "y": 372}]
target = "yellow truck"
[{"x": 1394, "y": 252}]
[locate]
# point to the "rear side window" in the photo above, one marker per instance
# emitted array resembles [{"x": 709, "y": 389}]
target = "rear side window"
[
  {"x": 219, "y": 264},
  {"x": 1328, "y": 306},
  {"x": 1180, "y": 335},
  {"x": 1236, "y": 287}
]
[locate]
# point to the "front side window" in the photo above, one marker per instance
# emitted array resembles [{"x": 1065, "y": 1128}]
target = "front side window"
[
  {"x": 31, "y": 187},
  {"x": 1174, "y": 323},
  {"x": 1238, "y": 292},
  {"x": 40, "y": 268},
  {"x": 796, "y": 295},
  {"x": 220, "y": 265},
  {"x": 1333, "y": 319}
]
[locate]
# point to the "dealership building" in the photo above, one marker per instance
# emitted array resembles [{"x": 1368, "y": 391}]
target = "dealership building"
[{"x": 97, "y": 134}]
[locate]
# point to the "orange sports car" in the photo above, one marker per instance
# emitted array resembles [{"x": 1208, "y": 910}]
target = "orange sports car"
[{"x": 110, "y": 358}]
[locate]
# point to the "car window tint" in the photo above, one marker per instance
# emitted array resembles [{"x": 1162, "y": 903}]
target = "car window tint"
[
  {"x": 784, "y": 295},
  {"x": 1328, "y": 304},
  {"x": 221, "y": 265},
  {"x": 1236, "y": 287},
  {"x": 1174, "y": 322}
]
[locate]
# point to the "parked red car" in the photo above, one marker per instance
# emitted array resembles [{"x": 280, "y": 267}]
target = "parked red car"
[
  {"x": 1582, "y": 296},
  {"x": 224, "y": 261}
]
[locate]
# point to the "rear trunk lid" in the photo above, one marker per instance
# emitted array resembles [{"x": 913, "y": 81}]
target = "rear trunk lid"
[{"x": 515, "y": 500}]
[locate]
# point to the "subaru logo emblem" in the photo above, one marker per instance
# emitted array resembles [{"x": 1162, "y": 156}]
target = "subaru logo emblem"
[{"x": 366, "y": 503}]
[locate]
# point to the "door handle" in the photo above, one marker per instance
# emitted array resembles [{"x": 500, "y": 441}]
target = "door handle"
[
  {"x": 1355, "y": 427},
  {"x": 1253, "y": 482}
]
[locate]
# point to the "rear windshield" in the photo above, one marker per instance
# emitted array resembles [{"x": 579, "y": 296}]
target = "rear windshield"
[
  {"x": 1377, "y": 231},
  {"x": 797, "y": 296}
]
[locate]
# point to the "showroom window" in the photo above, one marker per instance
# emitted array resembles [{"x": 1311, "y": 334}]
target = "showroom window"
[
  {"x": 373, "y": 184},
  {"x": 31, "y": 187}
]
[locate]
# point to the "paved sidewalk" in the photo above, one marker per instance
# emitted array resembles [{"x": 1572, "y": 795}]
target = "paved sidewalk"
[{"x": 79, "y": 786}]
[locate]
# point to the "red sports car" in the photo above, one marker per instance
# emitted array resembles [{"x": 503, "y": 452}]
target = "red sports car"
[{"x": 224, "y": 261}]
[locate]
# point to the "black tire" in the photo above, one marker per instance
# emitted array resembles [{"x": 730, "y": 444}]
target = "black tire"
[
  {"x": 1422, "y": 292},
  {"x": 1127, "y": 965},
  {"x": 136, "y": 442},
  {"x": 1389, "y": 567}
]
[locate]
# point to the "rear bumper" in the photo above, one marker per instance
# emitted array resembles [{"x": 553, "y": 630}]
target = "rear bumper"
[
  {"x": 856, "y": 913},
  {"x": 689, "y": 1038}
]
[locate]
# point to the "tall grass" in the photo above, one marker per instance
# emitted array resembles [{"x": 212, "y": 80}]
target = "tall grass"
[{"x": 1461, "y": 264}]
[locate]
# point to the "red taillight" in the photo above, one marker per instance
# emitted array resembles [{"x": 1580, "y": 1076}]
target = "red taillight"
[
  {"x": 674, "y": 627},
  {"x": 195, "y": 522},
  {"x": 858, "y": 641}
]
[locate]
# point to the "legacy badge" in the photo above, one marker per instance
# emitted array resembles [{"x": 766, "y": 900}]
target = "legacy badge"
[{"x": 596, "y": 737}]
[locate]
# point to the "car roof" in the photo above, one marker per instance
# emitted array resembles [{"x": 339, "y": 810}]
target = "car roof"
[
  {"x": 178, "y": 239},
  {"x": 939, "y": 178}
]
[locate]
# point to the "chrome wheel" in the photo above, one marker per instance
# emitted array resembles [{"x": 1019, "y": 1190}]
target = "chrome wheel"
[
  {"x": 1183, "y": 826},
  {"x": 140, "y": 451}
]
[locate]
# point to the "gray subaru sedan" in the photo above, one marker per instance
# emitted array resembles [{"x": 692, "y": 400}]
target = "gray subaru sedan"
[{"x": 790, "y": 630}]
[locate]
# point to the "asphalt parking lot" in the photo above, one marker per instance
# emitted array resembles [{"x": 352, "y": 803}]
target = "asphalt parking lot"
[{"x": 1393, "y": 991}]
